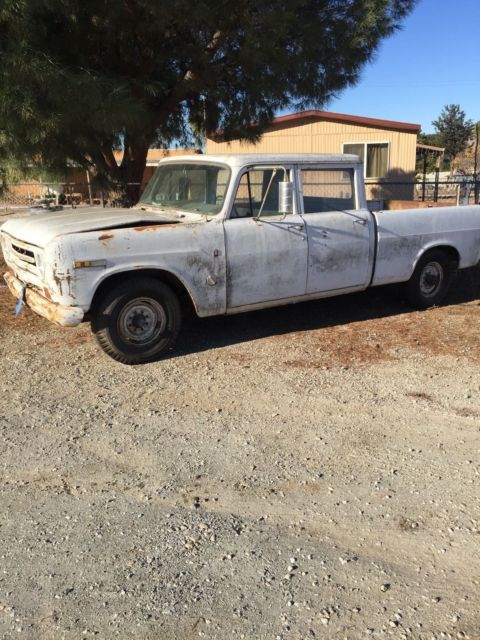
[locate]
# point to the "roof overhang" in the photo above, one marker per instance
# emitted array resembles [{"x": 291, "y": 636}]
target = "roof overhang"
[
  {"x": 315, "y": 115},
  {"x": 429, "y": 147}
]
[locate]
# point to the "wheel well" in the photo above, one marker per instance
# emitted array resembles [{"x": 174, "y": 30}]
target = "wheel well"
[
  {"x": 451, "y": 253},
  {"x": 164, "y": 276}
]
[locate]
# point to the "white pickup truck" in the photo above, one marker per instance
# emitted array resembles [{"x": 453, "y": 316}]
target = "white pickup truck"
[{"x": 228, "y": 234}]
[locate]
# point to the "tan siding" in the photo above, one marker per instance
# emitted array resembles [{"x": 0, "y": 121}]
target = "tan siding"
[{"x": 328, "y": 137}]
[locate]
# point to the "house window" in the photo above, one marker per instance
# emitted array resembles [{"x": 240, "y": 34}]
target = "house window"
[{"x": 374, "y": 156}]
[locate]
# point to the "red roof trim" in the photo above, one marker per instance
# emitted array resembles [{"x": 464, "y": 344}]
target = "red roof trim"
[
  {"x": 338, "y": 117},
  {"x": 328, "y": 115}
]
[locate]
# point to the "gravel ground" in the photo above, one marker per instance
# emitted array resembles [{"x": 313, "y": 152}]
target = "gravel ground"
[{"x": 304, "y": 472}]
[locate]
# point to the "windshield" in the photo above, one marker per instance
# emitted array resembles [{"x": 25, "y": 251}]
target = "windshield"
[{"x": 192, "y": 186}]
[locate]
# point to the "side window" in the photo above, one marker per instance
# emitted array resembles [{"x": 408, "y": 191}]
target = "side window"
[
  {"x": 257, "y": 193},
  {"x": 328, "y": 190}
]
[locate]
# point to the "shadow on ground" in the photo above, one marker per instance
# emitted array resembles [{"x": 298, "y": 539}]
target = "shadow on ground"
[{"x": 383, "y": 302}]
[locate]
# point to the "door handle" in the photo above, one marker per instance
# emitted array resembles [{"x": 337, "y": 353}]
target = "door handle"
[
  {"x": 361, "y": 221},
  {"x": 297, "y": 227}
]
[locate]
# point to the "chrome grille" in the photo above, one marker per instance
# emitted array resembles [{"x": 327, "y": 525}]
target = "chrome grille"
[
  {"x": 20, "y": 255},
  {"x": 23, "y": 254}
]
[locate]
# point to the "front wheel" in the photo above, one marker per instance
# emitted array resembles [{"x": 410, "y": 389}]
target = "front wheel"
[
  {"x": 137, "y": 321},
  {"x": 431, "y": 279}
]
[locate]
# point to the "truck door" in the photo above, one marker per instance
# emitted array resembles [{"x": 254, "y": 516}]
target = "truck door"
[
  {"x": 266, "y": 251},
  {"x": 340, "y": 235}
]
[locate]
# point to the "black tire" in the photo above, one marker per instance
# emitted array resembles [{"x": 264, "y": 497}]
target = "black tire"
[
  {"x": 431, "y": 279},
  {"x": 137, "y": 321}
]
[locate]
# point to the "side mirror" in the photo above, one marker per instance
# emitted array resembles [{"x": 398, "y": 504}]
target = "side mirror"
[{"x": 285, "y": 197}]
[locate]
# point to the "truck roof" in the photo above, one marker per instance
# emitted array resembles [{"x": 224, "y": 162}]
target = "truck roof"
[{"x": 244, "y": 159}]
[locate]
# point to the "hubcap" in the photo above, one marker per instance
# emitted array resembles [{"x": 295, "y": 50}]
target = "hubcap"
[
  {"x": 431, "y": 279},
  {"x": 142, "y": 321}
]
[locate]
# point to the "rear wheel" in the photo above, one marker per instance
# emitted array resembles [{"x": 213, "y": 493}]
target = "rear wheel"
[
  {"x": 137, "y": 321},
  {"x": 431, "y": 279}
]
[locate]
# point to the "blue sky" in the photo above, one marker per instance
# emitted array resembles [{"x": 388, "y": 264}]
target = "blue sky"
[{"x": 433, "y": 61}]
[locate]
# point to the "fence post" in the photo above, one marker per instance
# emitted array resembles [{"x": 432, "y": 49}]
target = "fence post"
[
  {"x": 435, "y": 189},
  {"x": 424, "y": 176}
]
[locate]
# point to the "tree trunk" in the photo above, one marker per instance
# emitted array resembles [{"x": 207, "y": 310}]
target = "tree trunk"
[{"x": 133, "y": 166}]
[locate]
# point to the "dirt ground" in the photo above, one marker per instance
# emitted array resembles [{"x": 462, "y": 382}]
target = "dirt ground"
[{"x": 306, "y": 472}]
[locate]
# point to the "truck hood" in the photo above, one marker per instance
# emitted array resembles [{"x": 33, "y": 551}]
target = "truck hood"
[{"x": 40, "y": 229}]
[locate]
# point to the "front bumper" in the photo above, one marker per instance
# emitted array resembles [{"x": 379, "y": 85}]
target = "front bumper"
[{"x": 63, "y": 316}]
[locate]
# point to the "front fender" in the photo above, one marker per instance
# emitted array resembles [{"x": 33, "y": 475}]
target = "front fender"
[{"x": 192, "y": 254}]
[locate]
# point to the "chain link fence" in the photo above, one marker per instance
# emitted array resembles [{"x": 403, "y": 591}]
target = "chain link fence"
[
  {"x": 457, "y": 190},
  {"x": 26, "y": 195},
  {"x": 381, "y": 194}
]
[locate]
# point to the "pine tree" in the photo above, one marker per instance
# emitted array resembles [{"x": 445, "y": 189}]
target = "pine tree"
[
  {"x": 453, "y": 129},
  {"x": 80, "y": 78}
]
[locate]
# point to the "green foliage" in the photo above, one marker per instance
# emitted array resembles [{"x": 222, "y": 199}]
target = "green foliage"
[
  {"x": 433, "y": 140},
  {"x": 453, "y": 130},
  {"x": 14, "y": 171},
  {"x": 81, "y": 77}
]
